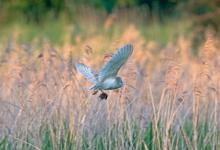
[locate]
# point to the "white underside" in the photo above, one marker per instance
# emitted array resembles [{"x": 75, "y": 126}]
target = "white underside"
[
  {"x": 107, "y": 84},
  {"x": 110, "y": 83}
]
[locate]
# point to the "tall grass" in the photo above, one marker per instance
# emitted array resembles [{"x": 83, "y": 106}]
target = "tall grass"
[{"x": 170, "y": 99}]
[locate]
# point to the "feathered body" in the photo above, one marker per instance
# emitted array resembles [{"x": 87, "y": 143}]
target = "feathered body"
[{"x": 109, "y": 84}]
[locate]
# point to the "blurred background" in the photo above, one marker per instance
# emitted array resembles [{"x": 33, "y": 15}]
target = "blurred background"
[{"x": 75, "y": 20}]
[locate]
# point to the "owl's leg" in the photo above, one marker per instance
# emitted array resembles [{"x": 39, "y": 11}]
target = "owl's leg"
[{"x": 95, "y": 92}]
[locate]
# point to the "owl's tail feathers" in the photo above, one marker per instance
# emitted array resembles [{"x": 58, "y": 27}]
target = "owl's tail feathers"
[{"x": 94, "y": 87}]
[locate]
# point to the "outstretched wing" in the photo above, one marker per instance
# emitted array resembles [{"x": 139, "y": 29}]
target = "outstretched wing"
[
  {"x": 86, "y": 72},
  {"x": 111, "y": 68}
]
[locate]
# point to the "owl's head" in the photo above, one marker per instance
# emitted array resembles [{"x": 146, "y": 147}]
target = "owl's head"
[{"x": 120, "y": 81}]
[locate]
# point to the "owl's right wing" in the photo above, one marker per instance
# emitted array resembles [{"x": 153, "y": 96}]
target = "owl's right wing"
[
  {"x": 86, "y": 72},
  {"x": 111, "y": 68}
]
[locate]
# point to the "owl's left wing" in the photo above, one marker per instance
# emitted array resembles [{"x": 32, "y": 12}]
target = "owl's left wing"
[
  {"x": 112, "y": 67},
  {"x": 87, "y": 72}
]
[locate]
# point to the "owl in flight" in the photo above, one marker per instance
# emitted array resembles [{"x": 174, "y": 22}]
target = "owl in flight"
[{"x": 107, "y": 78}]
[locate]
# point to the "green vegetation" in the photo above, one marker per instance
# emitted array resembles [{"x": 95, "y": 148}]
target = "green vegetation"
[
  {"x": 54, "y": 136},
  {"x": 158, "y": 20},
  {"x": 49, "y": 19},
  {"x": 54, "y": 31}
]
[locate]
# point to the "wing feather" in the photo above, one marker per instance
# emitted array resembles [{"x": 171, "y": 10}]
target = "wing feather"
[
  {"x": 86, "y": 72},
  {"x": 111, "y": 68}
]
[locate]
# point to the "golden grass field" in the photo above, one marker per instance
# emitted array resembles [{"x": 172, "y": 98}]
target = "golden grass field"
[{"x": 170, "y": 99}]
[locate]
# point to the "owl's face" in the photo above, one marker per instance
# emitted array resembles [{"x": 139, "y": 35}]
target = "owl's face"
[{"x": 120, "y": 81}]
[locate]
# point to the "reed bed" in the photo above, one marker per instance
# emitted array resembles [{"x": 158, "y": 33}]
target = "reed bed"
[{"x": 170, "y": 99}]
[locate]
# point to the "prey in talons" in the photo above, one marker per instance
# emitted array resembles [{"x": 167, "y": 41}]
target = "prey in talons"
[{"x": 102, "y": 96}]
